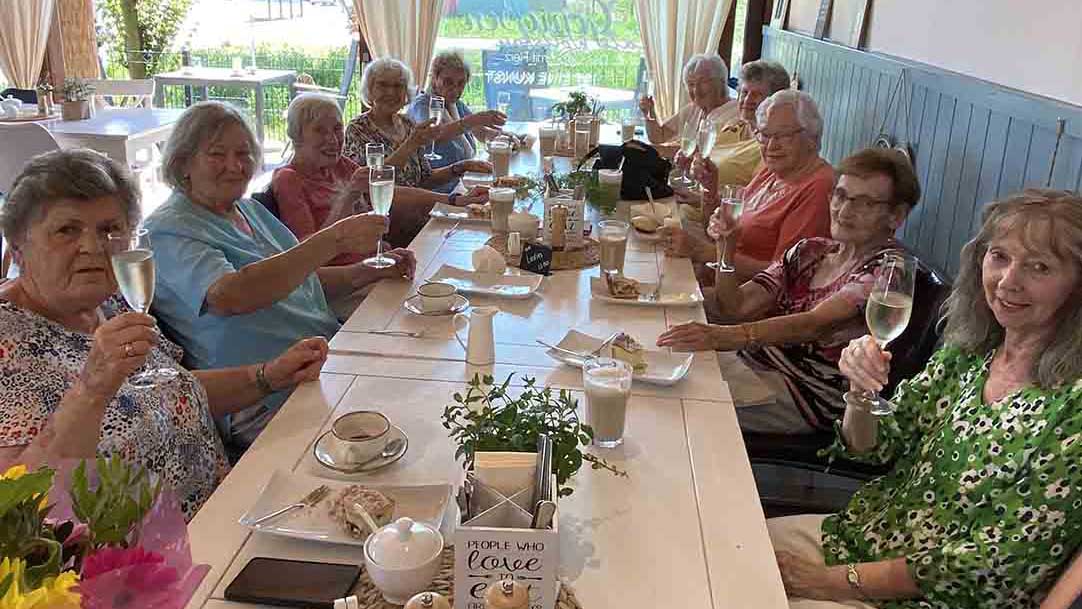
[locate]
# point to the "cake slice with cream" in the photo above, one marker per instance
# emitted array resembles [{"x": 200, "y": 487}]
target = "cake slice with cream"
[{"x": 626, "y": 348}]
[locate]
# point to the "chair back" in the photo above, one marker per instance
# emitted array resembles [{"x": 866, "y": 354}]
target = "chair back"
[
  {"x": 911, "y": 351},
  {"x": 141, "y": 92},
  {"x": 266, "y": 198},
  {"x": 22, "y": 142}
]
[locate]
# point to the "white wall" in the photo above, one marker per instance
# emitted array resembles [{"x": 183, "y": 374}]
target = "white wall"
[{"x": 1032, "y": 45}]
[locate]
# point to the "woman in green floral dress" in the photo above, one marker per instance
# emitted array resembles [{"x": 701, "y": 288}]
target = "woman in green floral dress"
[{"x": 984, "y": 505}]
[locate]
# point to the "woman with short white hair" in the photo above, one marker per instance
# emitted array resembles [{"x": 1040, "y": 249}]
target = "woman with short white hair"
[{"x": 707, "y": 80}]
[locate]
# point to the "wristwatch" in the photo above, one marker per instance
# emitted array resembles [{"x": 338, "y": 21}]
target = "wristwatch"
[{"x": 853, "y": 577}]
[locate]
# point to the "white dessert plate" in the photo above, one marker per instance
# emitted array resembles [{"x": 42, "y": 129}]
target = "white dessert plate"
[
  {"x": 457, "y": 214},
  {"x": 662, "y": 367},
  {"x": 426, "y": 502},
  {"x": 667, "y": 298},
  {"x": 513, "y": 285}
]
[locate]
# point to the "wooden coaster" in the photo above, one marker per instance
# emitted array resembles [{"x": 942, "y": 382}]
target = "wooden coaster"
[
  {"x": 369, "y": 596},
  {"x": 562, "y": 260}
]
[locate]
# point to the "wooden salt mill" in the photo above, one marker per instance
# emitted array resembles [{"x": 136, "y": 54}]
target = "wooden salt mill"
[
  {"x": 428, "y": 600},
  {"x": 508, "y": 594}
]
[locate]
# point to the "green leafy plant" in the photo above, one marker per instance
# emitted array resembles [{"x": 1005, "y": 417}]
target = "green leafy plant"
[
  {"x": 117, "y": 504},
  {"x": 489, "y": 418},
  {"x": 23, "y": 534},
  {"x": 577, "y": 103},
  {"x": 77, "y": 89},
  {"x": 145, "y": 29}
]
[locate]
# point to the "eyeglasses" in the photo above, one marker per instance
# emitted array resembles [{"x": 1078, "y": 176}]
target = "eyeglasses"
[
  {"x": 861, "y": 202},
  {"x": 781, "y": 137}
]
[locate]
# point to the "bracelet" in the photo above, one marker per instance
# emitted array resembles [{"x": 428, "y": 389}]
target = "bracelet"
[
  {"x": 750, "y": 339},
  {"x": 261, "y": 379}
]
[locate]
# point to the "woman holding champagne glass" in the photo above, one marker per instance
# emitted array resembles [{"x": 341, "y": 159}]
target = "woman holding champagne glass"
[
  {"x": 981, "y": 508},
  {"x": 789, "y": 323},
  {"x": 71, "y": 345},
  {"x": 706, "y": 78}
]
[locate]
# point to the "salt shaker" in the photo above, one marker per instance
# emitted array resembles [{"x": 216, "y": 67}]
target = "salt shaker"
[
  {"x": 514, "y": 243},
  {"x": 508, "y": 594},
  {"x": 428, "y": 600}
]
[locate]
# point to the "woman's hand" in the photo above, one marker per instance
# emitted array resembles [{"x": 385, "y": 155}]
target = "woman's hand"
[
  {"x": 301, "y": 362},
  {"x": 681, "y": 161},
  {"x": 477, "y": 194},
  {"x": 493, "y": 119},
  {"x": 405, "y": 263},
  {"x": 358, "y": 182},
  {"x": 646, "y": 106},
  {"x": 697, "y": 336},
  {"x": 423, "y": 134},
  {"x": 474, "y": 165},
  {"x": 722, "y": 224},
  {"x": 805, "y": 579},
  {"x": 865, "y": 364},
  {"x": 357, "y": 233},
  {"x": 120, "y": 348},
  {"x": 706, "y": 172}
]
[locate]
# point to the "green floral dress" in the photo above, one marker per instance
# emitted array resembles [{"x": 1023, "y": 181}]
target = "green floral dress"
[{"x": 984, "y": 500}]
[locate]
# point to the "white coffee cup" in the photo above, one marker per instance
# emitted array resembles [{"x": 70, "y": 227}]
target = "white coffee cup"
[
  {"x": 437, "y": 297},
  {"x": 360, "y": 435}
]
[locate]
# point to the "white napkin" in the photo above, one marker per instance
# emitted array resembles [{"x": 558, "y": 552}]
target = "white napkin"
[{"x": 488, "y": 260}]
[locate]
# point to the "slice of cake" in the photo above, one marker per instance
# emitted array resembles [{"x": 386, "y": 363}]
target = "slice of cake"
[
  {"x": 343, "y": 509},
  {"x": 627, "y": 349},
  {"x": 621, "y": 287}
]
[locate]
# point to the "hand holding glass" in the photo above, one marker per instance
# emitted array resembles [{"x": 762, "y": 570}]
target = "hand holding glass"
[
  {"x": 381, "y": 191},
  {"x": 133, "y": 266},
  {"x": 435, "y": 112},
  {"x": 887, "y": 312}
]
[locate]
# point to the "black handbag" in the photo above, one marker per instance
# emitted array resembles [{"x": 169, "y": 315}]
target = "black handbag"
[{"x": 643, "y": 167}]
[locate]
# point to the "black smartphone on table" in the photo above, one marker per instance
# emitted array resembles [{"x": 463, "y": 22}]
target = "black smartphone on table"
[{"x": 292, "y": 583}]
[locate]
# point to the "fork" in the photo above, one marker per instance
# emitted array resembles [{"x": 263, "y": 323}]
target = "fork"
[
  {"x": 402, "y": 333},
  {"x": 653, "y": 296},
  {"x": 452, "y": 230},
  {"x": 309, "y": 500},
  {"x": 584, "y": 356}
]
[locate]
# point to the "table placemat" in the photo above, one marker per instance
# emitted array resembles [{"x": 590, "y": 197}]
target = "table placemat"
[
  {"x": 562, "y": 260},
  {"x": 370, "y": 598}
]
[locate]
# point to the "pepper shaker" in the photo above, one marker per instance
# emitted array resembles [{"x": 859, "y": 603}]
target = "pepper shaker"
[
  {"x": 428, "y": 600},
  {"x": 508, "y": 594}
]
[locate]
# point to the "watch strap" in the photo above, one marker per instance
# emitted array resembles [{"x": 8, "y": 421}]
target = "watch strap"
[{"x": 853, "y": 577}]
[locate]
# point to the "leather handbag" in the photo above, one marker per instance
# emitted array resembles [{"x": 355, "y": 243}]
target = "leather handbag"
[{"x": 643, "y": 167}]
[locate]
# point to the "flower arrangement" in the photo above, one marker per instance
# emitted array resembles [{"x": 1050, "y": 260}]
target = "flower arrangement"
[
  {"x": 77, "y": 89},
  {"x": 124, "y": 544}
]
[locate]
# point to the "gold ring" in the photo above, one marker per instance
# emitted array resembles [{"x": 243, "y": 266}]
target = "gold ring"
[{"x": 128, "y": 350}]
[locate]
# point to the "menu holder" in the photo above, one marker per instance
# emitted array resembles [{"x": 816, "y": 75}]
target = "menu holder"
[{"x": 498, "y": 543}]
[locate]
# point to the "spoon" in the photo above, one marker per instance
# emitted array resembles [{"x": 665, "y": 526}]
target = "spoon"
[
  {"x": 368, "y": 520},
  {"x": 389, "y": 451}
]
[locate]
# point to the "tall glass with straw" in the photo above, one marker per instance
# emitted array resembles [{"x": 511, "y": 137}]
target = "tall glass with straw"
[
  {"x": 435, "y": 112},
  {"x": 381, "y": 191}
]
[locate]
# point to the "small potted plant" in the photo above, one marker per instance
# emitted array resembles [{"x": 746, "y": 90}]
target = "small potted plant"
[
  {"x": 579, "y": 106},
  {"x": 77, "y": 94}
]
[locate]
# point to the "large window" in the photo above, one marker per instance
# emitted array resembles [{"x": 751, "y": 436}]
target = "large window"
[{"x": 536, "y": 51}]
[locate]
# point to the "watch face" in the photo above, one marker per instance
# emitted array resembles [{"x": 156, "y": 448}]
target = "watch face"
[{"x": 852, "y": 576}]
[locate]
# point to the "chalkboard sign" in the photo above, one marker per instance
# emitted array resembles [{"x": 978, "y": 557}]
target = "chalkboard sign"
[
  {"x": 515, "y": 69},
  {"x": 536, "y": 258}
]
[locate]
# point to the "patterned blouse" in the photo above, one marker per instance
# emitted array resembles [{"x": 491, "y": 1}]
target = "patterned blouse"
[
  {"x": 983, "y": 502},
  {"x": 363, "y": 130},
  {"x": 811, "y": 369},
  {"x": 167, "y": 429}
]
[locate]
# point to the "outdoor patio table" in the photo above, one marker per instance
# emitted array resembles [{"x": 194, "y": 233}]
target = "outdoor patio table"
[{"x": 118, "y": 132}]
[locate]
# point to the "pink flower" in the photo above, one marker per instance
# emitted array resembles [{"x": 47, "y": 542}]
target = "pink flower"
[{"x": 144, "y": 570}]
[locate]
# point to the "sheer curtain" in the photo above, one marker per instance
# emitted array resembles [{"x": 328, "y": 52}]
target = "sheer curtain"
[
  {"x": 672, "y": 31},
  {"x": 403, "y": 29},
  {"x": 24, "y": 33}
]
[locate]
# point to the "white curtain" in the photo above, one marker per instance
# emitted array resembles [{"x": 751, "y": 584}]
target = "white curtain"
[
  {"x": 403, "y": 29},
  {"x": 24, "y": 32},
  {"x": 672, "y": 31}
]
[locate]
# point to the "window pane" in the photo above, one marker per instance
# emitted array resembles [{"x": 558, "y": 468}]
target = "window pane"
[{"x": 535, "y": 52}]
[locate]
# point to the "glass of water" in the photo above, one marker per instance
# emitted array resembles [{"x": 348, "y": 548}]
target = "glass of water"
[
  {"x": 132, "y": 261},
  {"x": 373, "y": 154},
  {"x": 381, "y": 191}
]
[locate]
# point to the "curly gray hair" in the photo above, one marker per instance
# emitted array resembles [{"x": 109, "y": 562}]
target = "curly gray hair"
[
  {"x": 807, "y": 112},
  {"x": 448, "y": 61},
  {"x": 306, "y": 108},
  {"x": 197, "y": 126},
  {"x": 75, "y": 174},
  {"x": 381, "y": 66},
  {"x": 771, "y": 73},
  {"x": 711, "y": 62},
  {"x": 1049, "y": 221}
]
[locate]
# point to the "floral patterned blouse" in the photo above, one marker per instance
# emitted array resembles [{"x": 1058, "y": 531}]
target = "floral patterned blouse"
[
  {"x": 984, "y": 499},
  {"x": 167, "y": 429},
  {"x": 363, "y": 130}
]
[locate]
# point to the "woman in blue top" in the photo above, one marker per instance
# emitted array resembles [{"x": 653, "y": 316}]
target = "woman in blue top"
[
  {"x": 233, "y": 283},
  {"x": 459, "y": 131}
]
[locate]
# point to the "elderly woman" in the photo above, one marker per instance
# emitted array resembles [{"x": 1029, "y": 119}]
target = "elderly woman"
[
  {"x": 459, "y": 130},
  {"x": 981, "y": 508},
  {"x": 233, "y": 284},
  {"x": 791, "y": 321},
  {"x": 69, "y": 341},
  {"x": 787, "y": 199},
  {"x": 385, "y": 86},
  {"x": 707, "y": 80}
]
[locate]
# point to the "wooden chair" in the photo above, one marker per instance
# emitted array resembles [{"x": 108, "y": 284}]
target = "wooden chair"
[{"x": 123, "y": 93}]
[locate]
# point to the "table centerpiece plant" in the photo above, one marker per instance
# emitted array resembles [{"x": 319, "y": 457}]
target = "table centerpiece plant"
[
  {"x": 489, "y": 418},
  {"x": 578, "y": 103},
  {"x": 77, "y": 93}
]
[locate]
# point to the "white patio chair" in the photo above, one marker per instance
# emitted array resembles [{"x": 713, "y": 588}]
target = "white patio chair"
[
  {"x": 22, "y": 142},
  {"x": 123, "y": 93}
]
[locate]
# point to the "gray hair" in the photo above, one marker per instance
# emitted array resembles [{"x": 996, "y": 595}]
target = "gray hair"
[
  {"x": 807, "y": 112},
  {"x": 307, "y": 108},
  {"x": 377, "y": 68},
  {"x": 1047, "y": 220},
  {"x": 711, "y": 61},
  {"x": 198, "y": 125},
  {"x": 76, "y": 174},
  {"x": 448, "y": 61},
  {"x": 770, "y": 73}
]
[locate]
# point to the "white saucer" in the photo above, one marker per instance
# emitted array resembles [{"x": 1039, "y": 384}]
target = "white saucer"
[
  {"x": 413, "y": 305},
  {"x": 325, "y": 455}
]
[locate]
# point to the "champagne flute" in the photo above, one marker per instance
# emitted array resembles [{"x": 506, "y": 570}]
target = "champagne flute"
[
  {"x": 689, "y": 140},
  {"x": 503, "y": 102},
  {"x": 381, "y": 191},
  {"x": 648, "y": 85},
  {"x": 435, "y": 112},
  {"x": 730, "y": 208},
  {"x": 132, "y": 261},
  {"x": 374, "y": 154},
  {"x": 887, "y": 312},
  {"x": 708, "y": 134}
]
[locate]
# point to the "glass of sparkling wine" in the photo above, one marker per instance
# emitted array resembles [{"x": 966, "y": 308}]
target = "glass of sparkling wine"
[
  {"x": 689, "y": 139},
  {"x": 503, "y": 102},
  {"x": 887, "y": 312},
  {"x": 435, "y": 112},
  {"x": 607, "y": 383},
  {"x": 708, "y": 133},
  {"x": 133, "y": 267},
  {"x": 374, "y": 154},
  {"x": 731, "y": 207},
  {"x": 381, "y": 191}
]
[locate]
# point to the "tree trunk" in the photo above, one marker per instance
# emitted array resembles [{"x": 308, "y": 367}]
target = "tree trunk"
[{"x": 133, "y": 39}]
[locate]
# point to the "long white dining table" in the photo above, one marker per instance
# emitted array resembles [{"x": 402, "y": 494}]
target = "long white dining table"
[{"x": 684, "y": 529}]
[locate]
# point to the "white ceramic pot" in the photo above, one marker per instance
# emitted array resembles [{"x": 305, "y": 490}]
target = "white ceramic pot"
[{"x": 403, "y": 558}]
